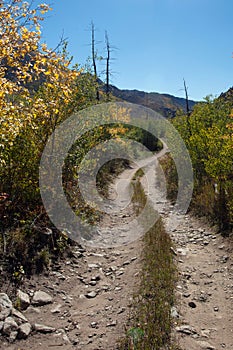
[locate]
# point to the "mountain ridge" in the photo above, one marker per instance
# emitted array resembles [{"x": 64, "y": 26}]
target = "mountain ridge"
[{"x": 163, "y": 103}]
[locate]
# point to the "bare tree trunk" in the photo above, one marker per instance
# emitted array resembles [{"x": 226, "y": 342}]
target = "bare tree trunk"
[
  {"x": 107, "y": 65},
  {"x": 94, "y": 59},
  {"x": 188, "y": 111}
]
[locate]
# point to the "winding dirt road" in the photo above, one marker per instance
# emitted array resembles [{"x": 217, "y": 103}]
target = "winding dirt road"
[{"x": 92, "y": 290}]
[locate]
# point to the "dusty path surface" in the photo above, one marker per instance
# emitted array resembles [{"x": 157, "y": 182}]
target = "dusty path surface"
[
  {"x": 92, "y": 290},
  {"x": 205, "y": 288}
]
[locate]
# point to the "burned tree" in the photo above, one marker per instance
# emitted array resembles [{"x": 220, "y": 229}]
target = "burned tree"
[{"x": 94, "y": 59}]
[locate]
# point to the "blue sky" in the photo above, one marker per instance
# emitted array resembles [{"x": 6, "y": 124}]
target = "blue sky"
[{"x": 159, "y": 42}]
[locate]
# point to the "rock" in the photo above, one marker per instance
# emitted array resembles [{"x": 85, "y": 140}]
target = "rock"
[
  {"x": 224, "y": 259},
  {"x": 5, "y": 306},
  {"x": 112, "y": 324},
  {"x": 66, "y": 338},
  {"x": 24, "y": 300},
  {"x": 41, "y": 298},
  {"x": 57, "y": 309},
  {"x": 20, "y": 318},
  {"x": 43, "y": 329},
  {"x": 93, "y": 283},
  {"x": 91, "y": 295},
  {"x": 93, "y": 266},
  {"x": 192, "y": 305},
  {"x": 32, "y": 310},
  {"x": 96, "y": 278},
  {"x": 9, "y": 326},
  {"x": 1, "y": 325},
  {"x": 174, "y": 312},
  {"x": 182, "y": 251},
  {"x": 205, "y": 345},
  {"x": 186, "y": 329},
  {"x": 203, "y": 297},
  {"x": 24, "y": 331},
  {"x": 13, "y": 336},
  {"x": 94, "y": 325},
  {"x": 173, "y": 251}
]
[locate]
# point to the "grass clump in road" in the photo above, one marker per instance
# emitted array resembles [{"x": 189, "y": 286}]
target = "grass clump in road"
[{"x": 150, "y": 323}]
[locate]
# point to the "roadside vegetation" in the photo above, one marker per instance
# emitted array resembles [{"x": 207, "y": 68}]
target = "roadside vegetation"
[
  {"x": 39, "y": 89},
  {"x": 207, "y": 132},
  {"x": 150, "y": 321}
]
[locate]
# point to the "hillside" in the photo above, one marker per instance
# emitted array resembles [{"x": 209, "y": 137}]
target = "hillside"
[{"x": 165, "y": 104}]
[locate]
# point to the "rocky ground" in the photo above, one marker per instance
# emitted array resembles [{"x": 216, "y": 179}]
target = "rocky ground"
[
  {"x": 205, "y": 289},
  {"x": 84, "y": 302}
]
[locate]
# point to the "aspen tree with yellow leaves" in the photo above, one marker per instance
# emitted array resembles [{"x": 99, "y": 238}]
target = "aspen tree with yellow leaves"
[{"x": 208, "y": 136}]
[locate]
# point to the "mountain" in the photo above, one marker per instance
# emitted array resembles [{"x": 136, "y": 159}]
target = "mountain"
[
  {"x": 227, "y": 96},
  {"x": 165, "y": 104}
]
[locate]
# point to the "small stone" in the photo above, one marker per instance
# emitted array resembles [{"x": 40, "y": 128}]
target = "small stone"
[
  {"x": 117, "y": 289},
  {"x": 216, "y": 309},
  {"x": 13, "y": 336},
  {"x": 174, "y": 312},
  {"x": 182, "y": 251},
  {"x": 24, "y": 300},
  {"x": 186, "y": 295},
  {"x": 9, "y": 326},
  {"x": 186, "y": 329},
  {"x": 224, "y": 259},
  {"x": 41, "y": 298},
  {"x": 205, "y": 333},
  {"x": 96, "y": 278},
  {"x": 205, "y": 345},
  {"x": 134, "y": 258},
  {"x": 24, "y": 331},
  {"x": 64, "y": 336},
  {"x": 112, "y": 324},
  {"x": 93, "y": 266},
  {"x": 93, "y": 283},
  {"x": 203, "y": 297},
  {"x": 192, "y": 305},
  {"x": 32, "y": 310},
  {"x": 5, "y": 306},
  {"x": 91, "y": 295},
  {"x": 43, "y": 329},
  {"x": 19, "y": 316},
  {"x": 57, "y": 309},
  {"x": 121, "y": 310},
  {"x": 94, "y": 325}
]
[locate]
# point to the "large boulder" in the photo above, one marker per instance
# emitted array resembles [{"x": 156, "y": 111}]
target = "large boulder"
[
  {"x": 24, "y": 300},
  {"x": 5, "y": 306},
  {"x": 41, "y": 298},
  {"x": 24, "y": 330},
  {"x": 10, "y": 326}
]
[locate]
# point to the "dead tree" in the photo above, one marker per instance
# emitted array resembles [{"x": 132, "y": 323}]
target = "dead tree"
[
  {"x": 188, "y": 110},
  {"x": 107, "y": 65},
  {"x": 94, "y": 60}
]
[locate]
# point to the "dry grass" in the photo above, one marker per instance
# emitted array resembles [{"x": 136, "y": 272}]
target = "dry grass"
[{"x": 150, "y": 323}]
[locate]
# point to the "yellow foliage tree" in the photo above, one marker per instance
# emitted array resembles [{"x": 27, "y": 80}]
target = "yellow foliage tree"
[{"x": 37, "y": 91}]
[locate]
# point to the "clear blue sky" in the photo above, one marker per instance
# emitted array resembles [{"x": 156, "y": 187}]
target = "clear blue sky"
[{"x": 159, "y": 42}]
